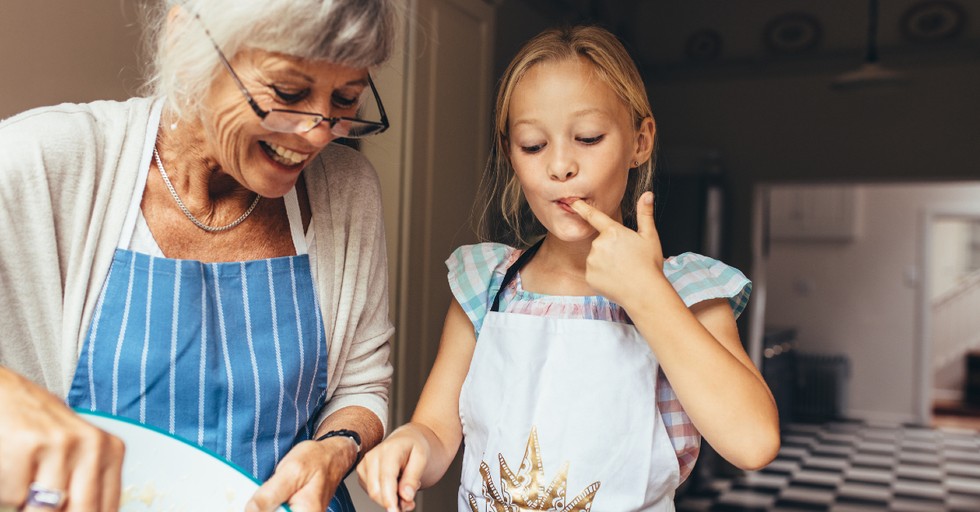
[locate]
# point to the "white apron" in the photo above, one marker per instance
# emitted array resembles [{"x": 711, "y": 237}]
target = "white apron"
[{"x": 561, "y": 415}]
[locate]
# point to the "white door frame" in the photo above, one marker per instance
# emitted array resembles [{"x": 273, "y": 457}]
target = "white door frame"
[
  {"x": 928, "y": 216},
  {"x": 760, "y": 260}
]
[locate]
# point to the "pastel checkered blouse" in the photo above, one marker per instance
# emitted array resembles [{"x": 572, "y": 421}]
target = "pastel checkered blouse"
[{"x": 476, "y": 272}]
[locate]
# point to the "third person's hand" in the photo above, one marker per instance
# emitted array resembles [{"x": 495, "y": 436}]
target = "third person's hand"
[{"x": 45, "y": 444}]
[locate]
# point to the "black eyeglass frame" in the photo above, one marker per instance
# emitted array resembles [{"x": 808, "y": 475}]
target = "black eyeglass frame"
[{"x": 332, "y": 121}]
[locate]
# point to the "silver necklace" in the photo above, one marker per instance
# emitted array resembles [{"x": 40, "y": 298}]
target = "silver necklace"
[{"x": 183, "y": 208}]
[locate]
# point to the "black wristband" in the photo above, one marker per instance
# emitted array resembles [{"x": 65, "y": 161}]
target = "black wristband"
[
  {"x": 348, "y": 434},
  {"x": 345, "y": 433}
]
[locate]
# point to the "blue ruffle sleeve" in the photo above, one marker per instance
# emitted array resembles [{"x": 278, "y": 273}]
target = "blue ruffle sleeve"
[
  {"x": 475, "y": 274},
  {"x": 698, "y": 278}
]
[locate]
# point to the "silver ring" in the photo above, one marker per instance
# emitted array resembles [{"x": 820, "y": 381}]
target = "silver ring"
[{"x": 43, "y": 497}]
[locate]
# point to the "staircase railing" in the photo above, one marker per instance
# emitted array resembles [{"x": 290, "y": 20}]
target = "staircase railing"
[{"x": 956, "y": 321}]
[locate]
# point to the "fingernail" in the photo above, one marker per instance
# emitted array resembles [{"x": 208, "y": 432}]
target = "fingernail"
[
  {"x": 648, "y": 198},
  {"x": 409, "y": 492}
]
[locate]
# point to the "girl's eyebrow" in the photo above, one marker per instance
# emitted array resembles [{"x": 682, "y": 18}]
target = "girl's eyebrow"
[
  {"x": 578, "y": 113},
  {"x": 524, "y": 121},
  {"x": 588, "y": 111}
]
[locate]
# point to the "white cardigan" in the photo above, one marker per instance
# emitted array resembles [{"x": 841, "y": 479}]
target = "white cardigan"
[{"x": 67, "y": 175}]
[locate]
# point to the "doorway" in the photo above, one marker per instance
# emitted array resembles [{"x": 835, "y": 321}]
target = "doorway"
[{"x": 949, "y": 304}]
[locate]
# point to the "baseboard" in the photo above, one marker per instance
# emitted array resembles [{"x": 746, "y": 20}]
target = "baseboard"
[
  {"x": 944, "y": 408},
  {"x": 883, "y": 417},
  {"x": 947, "y": 395}
]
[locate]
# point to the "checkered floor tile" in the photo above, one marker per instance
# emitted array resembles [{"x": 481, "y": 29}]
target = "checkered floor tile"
[{"x": 853, "y": 467}]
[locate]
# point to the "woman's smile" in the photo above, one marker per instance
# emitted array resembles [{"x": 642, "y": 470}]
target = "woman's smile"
[{"x": 284, "y": 156}]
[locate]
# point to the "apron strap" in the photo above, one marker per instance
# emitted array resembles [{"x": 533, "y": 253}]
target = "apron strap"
[
  {"x": 513, "y": 270},
  {"x": 149, "y": 142},
  {"x": 291, "y": 200}
]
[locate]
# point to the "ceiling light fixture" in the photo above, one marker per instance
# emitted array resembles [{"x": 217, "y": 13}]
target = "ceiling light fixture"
[{"x": 871, "y": 72}]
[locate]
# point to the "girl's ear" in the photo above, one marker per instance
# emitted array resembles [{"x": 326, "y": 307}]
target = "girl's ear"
[{"x": 643, "y": 147}]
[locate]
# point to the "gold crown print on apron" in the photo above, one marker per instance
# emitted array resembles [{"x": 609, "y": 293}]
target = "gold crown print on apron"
[{"x": 524, "y": 492}]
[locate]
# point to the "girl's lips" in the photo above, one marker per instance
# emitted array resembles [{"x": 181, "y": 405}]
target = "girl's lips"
[{"x": 565, "y": 203}]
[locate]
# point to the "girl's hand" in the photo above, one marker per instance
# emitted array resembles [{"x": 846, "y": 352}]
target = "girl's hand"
[
  {"x": 622, "y": 262},
  {"x": 391, "y": 473},
  {"x": 43, "y": 442},
  {"x": 307, "y": 477}
]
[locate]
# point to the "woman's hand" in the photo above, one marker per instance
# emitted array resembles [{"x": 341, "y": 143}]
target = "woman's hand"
[
  {"x": 307, "y": 477},
  {"x": 391, "y": 473},
  {"x": 623, "y": 262},
  {"x": 43, "y": 442}
]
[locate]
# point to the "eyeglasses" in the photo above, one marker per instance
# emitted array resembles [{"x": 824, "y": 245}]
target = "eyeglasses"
[{"x": 294, "y": 121}]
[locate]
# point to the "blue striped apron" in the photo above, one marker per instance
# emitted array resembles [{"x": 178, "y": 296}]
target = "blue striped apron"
[{"x": 231, "y": 356}]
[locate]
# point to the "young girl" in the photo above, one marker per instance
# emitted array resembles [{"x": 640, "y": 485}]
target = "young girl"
[{"x": 550, "y": 355}]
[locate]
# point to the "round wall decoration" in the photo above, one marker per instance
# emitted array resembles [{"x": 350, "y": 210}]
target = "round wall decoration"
[
  {"x": 703, "y": 45},
  {"x": 932, "y": 20},
  {"x": 792, "y": 33}
]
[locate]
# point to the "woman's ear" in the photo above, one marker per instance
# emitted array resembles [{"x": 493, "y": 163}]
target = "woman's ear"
[
  {"x": 176, "y": 17},
  {"x": 643, "y": 147},
  {"x": 175, "y": 13}
]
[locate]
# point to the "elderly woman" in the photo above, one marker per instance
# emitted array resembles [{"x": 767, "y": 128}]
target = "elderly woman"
[{"x": 202, "y": 260}]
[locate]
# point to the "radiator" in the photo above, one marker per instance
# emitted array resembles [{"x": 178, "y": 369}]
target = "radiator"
[{"x": 821, "y": 387}]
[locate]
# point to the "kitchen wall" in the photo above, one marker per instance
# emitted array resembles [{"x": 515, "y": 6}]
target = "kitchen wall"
[
  {"x": 52, "y": 51},
  {"x": 858, "y": 297}
]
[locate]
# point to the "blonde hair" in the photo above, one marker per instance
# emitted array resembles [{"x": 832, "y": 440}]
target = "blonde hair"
[
  {"x": 503, "y": 214},
  {"x": 182, "y": 62}
]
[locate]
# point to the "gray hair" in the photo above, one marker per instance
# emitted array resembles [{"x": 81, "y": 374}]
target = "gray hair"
[{"x": 182, "y": 63}]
